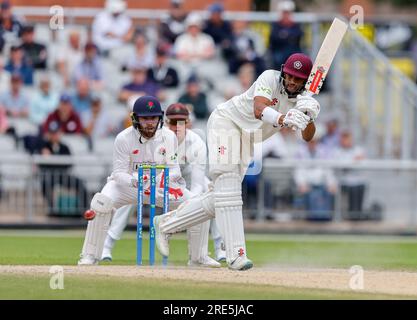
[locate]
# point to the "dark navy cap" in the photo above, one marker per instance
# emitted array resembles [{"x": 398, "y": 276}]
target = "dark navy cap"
[
  {"x": 65, "y": 97},
  {"x": 147, "y": 106},
  {"x": 216, "y": 8}
]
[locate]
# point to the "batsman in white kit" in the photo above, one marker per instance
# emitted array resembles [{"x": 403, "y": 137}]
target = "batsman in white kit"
[
  {"x": 146, "y": 141},
  {"x": 192, "y": 158},
  {"x": 276, "y": 99}
]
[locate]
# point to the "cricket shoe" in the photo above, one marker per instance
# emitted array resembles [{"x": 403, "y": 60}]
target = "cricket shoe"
[
  {"x": 220, "y": 253},
  {"x": 106, "y": 256},
  {"x": 88, "y": 260},
  {"x": 162, "y": 239},
  {"x": 241, "y": 263},
  {"x": 205, "y": 262}
]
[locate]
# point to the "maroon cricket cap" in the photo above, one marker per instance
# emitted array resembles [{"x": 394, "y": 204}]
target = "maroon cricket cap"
[
  {"x": 177, "y": 111},
  {"x": 298, "y": 65}
]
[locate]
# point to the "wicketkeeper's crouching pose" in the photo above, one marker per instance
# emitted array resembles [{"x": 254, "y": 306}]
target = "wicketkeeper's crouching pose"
[
  {"x": 192, "y": 156},
  {"x": 144, "y": 142},
  {"x": 274, "y": 100}
]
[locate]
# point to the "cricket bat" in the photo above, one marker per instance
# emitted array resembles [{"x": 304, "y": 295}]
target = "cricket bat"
[{"x": 325, "y": 56}]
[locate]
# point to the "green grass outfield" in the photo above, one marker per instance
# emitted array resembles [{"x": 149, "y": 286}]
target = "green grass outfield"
[{"x": 63, "y": 248}]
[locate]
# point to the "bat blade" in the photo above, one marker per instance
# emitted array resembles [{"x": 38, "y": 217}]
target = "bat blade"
[{"x": 325, "y": 56}]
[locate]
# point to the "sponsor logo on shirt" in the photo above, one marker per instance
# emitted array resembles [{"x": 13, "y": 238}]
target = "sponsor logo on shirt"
[
  {"x": 136, "y": 151},
  {"x": 265, "y": 90}
]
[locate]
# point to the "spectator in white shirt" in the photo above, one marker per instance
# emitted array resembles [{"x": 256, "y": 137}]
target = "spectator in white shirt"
[
  {"x": 112, "y": 27},
  {"x": 69, "y": 56},
  {"x": 143, "y": 53},
  {"x": 43, "y": 103},
  {"x": 194, "y": 46},
  {"x": 96, "y": 121}
]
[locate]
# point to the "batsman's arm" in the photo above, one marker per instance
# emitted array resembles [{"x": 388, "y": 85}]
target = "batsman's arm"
[
  {"x": 309, "y": 131},
  {"x": 265, "y": 113}
]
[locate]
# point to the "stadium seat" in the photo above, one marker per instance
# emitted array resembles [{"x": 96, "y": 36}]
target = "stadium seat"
[
  {"x": 92, "y": 170},
  {"x": 15, "y": 169},
  {"x": 78, "y": 144},
  {"x": 103, "y": 147},
  {"x": 7, "y": 144},
  {"x": 23, "y": 127}
]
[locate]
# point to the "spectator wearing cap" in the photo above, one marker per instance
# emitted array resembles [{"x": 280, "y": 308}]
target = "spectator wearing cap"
[
  {"x": 194, "y": 97},
  {"x": 15, "y": 101},
  {"x": 173, "y": 24},
  {"x": 18, "y": 64},
  {"x": 140, "y": 84},
  {"x": 96, "y": 121},
  {"x": 69, "y": 56},
  {"x": 10, "y": 26},
  {"x": 112, "y": 27},
  {"x": 163, "y": 74},
  {"x": 58, "y": 174},
  {"x": 143, "y": 53},
  {"x": 43, "y": 103},
  {"x": 81, "y": 98},
  {"x": 218, "y": 28},
  {"x": 90, "y": 67},
  {"x": 67, "y": 118},
  {"x": 194, "y": 46},
  {"x": 285, "y": 36},
  {"x": 35, "y": 53},
  {"x": 244, "y": 49}
]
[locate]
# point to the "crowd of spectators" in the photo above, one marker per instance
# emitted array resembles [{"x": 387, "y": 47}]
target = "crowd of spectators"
[{"x": 77, "y": 107}]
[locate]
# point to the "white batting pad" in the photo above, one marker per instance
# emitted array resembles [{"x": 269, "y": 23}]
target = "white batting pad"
[
  {"x": 190, "y": 213},
  {"x": 198, "y": 241},
  {"x": 228, "y": 207},
  {"x": 96, "y": 234}
]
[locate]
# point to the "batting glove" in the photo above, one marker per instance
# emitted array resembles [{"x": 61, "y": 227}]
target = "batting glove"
[
  {"x": 308, "y": 105},
  {"x": 296, "y": 119}
]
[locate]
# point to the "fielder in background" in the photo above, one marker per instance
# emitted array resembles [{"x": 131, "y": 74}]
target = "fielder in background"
[
  {"x": 146, "y": 141},
  {"x": 191, "y": 156},
  {"x": 274, "y": 100}
]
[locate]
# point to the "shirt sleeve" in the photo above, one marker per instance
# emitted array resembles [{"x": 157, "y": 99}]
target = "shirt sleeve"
[
  {"x": 198, "y": 167},
  {"x": 121, "y": 162},
  {"x": 171, "y": 157},
  {"x": 263, "y": 85}
]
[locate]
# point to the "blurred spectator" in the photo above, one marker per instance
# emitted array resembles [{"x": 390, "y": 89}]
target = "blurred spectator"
[
  {"x": 194, "y": 45},
  {"x": 127, "y": 121},
  {"x": 43, "y": 103},
  {"x": 143, "y": 53},
  {"x": 140, "y": 84},
  {"x": 35, "y": 53},
  {"x": 285, "y": 36},
  {"x": 163, "y": 74},
  {"x": 90, "y": 67},
  {"x": 14, "y": 100},
  {"x": 58, "y": 174},
  {"x": 18, "y": 64},
  {"x": 331, "y": 139},
  {"x": 243, "y": 50},
  {"x": 316, "y": 185},
  {"x": 352, "y": 182},
  {"x": 4, "y": 77},
  {"x": 245, "y": 77},
  {"x": 10, "y": 26},
  {"x": 219, "y": 29},
  {"x": 96, "y": 121},
  {"x": 67, "y": 119},
  {"x": 5, "y": 128},
  {"x": 173, "y": 25},
  {"x": 194, "y": 97},
  {"x": 112, "y": 28},
  {"x": 69, "y": 56},
  {"x": 81, "y": 99}
]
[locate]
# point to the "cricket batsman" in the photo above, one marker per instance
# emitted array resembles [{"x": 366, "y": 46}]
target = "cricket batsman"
[
  {"x": 276, "y": 99},
  {"x": 146, "y": 141}
]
